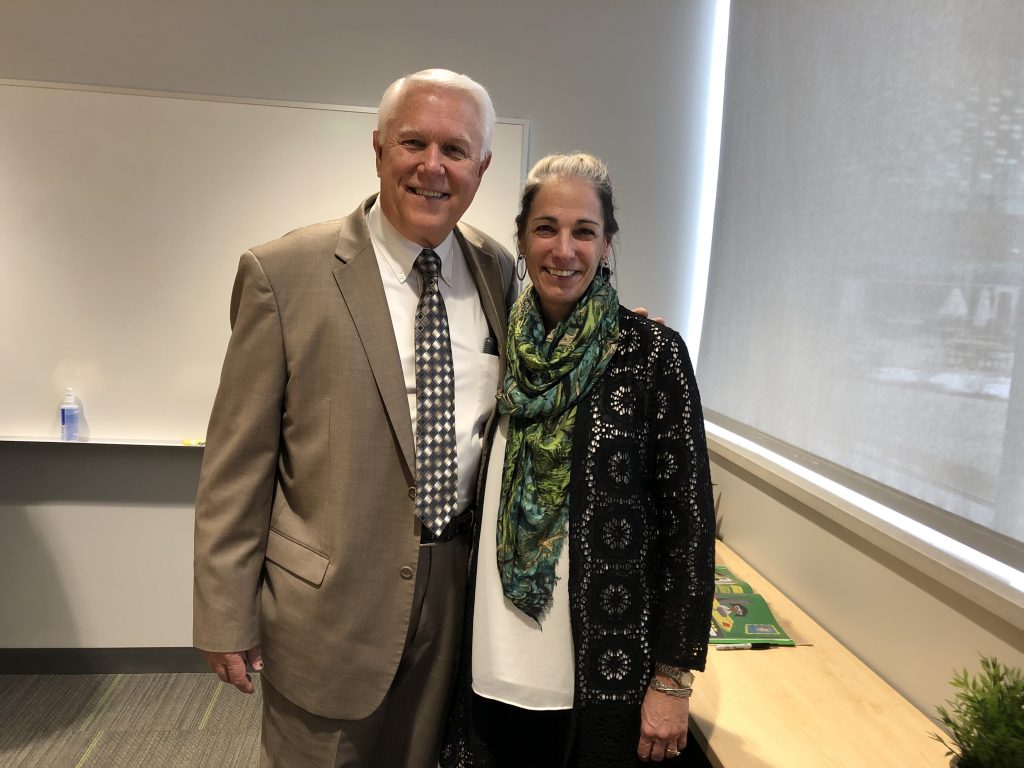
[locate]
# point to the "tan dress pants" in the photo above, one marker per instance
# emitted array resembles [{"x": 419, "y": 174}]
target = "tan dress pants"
[{"x": 405, "y": 730}]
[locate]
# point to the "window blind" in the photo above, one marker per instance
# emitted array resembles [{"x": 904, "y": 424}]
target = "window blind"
[{"x": 864, "y": 307}]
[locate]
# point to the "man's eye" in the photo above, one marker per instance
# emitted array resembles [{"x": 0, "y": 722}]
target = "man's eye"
[
  {"x": 412, "y": 144},
  {"x": 457, "y": 153}
]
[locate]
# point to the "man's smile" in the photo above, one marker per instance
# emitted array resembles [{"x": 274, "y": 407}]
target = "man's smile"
[{"x": 430, "y": 193}]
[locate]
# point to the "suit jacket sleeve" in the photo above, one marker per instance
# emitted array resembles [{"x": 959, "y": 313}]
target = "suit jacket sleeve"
[{"x": 237, "y": 480}]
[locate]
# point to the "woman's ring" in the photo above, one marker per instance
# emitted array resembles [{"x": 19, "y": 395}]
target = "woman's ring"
[{"x": 673, "y": 752}]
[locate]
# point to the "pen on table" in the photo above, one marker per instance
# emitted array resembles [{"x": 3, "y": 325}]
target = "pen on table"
[{"x": 745, "y": 646}]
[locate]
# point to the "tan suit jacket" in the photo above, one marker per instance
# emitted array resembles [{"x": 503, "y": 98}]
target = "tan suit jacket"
[{"x": 306, "y": 539}]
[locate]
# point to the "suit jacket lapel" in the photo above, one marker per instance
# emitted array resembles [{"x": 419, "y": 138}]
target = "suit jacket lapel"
[
  {"x": 358, "y": 277},
  {"x": 487, "y": 275}
]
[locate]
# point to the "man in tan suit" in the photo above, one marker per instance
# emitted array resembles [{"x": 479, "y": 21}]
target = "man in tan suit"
[{"x": 310, "y": 562}]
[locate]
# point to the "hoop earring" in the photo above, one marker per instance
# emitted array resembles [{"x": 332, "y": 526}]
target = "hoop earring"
[{"x": 521, "y": 267}]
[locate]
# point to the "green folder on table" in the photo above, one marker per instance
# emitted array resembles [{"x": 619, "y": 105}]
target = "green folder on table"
[{"x": 740, "y": 615}]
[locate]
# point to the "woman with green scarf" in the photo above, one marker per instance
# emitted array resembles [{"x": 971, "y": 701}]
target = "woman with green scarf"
[{"x": 594, "y": 553}]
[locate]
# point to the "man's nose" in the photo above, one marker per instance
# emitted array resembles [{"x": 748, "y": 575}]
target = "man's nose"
[{"x": 432, "y": 159}]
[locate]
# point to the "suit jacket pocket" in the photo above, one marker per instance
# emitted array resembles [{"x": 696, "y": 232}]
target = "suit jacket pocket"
[{"x": 298, "y": 559}]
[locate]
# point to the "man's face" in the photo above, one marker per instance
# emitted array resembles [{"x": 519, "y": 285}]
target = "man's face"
[{"x": 429, "y": 163}]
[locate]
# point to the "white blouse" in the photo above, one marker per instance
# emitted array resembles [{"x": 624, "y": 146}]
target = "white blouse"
[{"x": 515, "y": 660}]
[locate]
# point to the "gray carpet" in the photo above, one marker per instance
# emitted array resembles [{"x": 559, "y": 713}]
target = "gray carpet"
[{"x": 117, "y": 721}]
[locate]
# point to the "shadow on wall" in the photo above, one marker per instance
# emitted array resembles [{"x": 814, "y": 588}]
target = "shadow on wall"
[
  {"x": 93, "y": 473},
  {"x": 33, "y": 604},
  {"x": 33, "y": 601},
  {"x": 44, "y": 485}
]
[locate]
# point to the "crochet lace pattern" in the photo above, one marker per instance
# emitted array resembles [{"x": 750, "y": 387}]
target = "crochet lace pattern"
[{"x": 641, "y": 547}]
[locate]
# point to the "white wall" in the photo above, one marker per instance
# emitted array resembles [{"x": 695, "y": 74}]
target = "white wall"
[
  {"x": 626, "y": 81},
  {"x": 104, "y": 560}
]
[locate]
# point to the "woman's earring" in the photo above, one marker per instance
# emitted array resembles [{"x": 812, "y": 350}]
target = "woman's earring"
[
  {"x": 521, "y": 267},
  {"x": 605, "y": 268}
]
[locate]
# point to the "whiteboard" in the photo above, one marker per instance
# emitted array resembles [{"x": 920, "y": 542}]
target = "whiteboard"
[{"x": 122, "y": 217}]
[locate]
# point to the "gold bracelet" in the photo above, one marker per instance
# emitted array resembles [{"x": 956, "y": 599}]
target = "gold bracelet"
[{"x": 679, "y": 693}]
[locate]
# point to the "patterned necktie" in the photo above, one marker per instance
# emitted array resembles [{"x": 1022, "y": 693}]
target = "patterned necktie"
[{"x": 437, "y": 490}]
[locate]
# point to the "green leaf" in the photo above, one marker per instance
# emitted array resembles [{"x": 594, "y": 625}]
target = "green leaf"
[{"x": 985, "y": 717}]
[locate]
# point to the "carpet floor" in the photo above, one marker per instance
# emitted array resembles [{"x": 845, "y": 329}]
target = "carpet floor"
[{"x": 122, "y": 721}]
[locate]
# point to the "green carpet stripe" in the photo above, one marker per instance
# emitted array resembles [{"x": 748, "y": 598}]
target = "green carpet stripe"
[
  {"x": 101, "y": 702},
  {"x": 209, "y": 707},
  {"x": 88, "y": 750}
]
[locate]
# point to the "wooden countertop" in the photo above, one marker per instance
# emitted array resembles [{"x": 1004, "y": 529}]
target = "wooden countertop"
[{"x": 813, "y": 706}]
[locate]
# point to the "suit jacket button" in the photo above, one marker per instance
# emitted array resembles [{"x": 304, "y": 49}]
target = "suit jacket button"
[
  {"x": 406, "y": 572},
  {"x": 412, "y": 492}
]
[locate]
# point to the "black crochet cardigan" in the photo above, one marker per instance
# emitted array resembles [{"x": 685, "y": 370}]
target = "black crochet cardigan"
[{"x": 641, "y": 548}]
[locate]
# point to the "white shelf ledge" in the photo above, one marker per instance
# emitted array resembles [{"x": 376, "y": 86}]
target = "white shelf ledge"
[
  {"x": 994, "y": 586},
  {"x": 101, "y": 441}
]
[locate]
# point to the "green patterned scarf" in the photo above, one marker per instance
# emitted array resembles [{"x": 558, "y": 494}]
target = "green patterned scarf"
[{"x": 546, "y": 376}]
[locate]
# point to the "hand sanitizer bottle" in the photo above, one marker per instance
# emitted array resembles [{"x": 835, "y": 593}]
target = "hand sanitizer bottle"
[{"x": 69, "y": 412}]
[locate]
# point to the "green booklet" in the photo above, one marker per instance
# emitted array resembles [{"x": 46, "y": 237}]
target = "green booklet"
[{"x": 740, "y": 615}]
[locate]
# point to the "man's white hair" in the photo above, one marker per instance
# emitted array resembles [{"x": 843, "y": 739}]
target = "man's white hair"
[{"x": 439, "y": 78}]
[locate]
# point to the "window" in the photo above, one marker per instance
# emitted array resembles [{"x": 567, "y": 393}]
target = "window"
[{"x": 865, "y": 308}]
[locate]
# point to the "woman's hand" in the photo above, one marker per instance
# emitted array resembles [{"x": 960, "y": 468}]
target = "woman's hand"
[{"x": 663, "y": 721}]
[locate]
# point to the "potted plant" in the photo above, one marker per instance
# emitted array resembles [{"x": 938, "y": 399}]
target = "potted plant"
[{"x": 985, "y": 718}]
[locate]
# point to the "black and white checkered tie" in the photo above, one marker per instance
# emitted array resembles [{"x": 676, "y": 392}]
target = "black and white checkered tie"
[{"x": 437, "y": 489}]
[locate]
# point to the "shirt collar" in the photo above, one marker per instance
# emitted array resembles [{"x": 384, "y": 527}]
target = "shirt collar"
[{"x": 401, "y": 254}]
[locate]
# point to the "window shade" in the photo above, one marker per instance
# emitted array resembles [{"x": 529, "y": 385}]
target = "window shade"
[{"x": 865, "y": 292}]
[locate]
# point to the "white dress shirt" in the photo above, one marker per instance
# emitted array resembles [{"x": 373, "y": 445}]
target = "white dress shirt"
[{"x": 476, "y": 372}]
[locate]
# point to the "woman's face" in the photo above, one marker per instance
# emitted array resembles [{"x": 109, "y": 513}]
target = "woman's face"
[{"x": 563, "y": 242}]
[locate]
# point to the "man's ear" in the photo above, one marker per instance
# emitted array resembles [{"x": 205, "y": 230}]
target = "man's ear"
[
  {"x": 378, "y": 150},
  {"x": 484, "y": 164}
]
